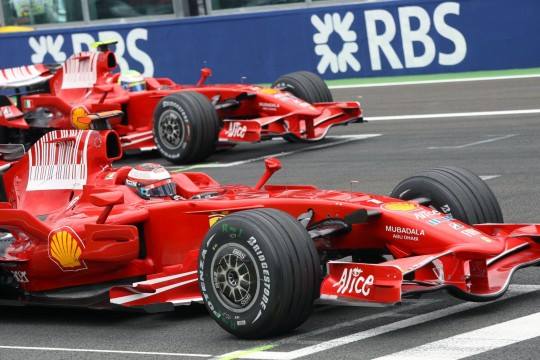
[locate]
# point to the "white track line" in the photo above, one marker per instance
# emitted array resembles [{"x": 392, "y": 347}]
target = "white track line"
[
  {"x": 453, "y": 115},
  {"x": 441, "y": 81},
  {"x": 515, "y": 290},
  {"x": 489, "y": 177},
  {"x": 473, "y": 143},
  {"x": 401, "y": 311},
  {"x": 341, "y": 139},
  {"x": 98, "y": 351},
  {"x": 474, "y": 342}
]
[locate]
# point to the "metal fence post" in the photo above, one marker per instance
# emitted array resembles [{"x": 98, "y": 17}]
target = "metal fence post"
[
  {"x": 85, "y": 11},
  {"x": 2, "y": 20},
  {"x": 179, "y": 7}
]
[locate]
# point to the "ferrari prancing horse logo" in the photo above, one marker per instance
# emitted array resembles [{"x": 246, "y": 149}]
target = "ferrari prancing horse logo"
[
  {"x": 214, "y": 218},
  {"x": 65, "y": 249}
]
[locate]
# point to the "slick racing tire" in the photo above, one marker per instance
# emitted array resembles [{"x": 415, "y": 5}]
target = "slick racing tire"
[
  {"x": 306, "y": 86},
  {"x": 259, "y": 273},
  {"x": 454, "y": 191},
  {"x": 186, "y": 127}
]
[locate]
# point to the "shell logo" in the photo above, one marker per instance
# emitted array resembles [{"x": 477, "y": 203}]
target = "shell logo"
[
  {"x": 65, "y": 249},
  {"x": 400, "y": 206},
  {"x": 269, "y": 91},
  {"x": 78, "y": 117}
]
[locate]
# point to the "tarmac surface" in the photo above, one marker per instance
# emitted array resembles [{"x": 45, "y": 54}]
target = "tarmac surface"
[{"x": 504, "y": 149}]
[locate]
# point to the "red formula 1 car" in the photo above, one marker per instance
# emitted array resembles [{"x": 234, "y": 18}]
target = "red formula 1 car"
[
  {"x": 76, "y": 232},
  {"x": 184, "y": 122}
]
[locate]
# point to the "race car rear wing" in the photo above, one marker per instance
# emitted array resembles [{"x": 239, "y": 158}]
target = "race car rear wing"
[{"x": 22, "y": 76}]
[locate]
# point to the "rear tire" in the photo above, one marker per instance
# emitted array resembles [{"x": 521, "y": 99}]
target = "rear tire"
[
  {"x": 306, "y": 86},
  {"x": 259, "y": 273},
  {"x": 186, "y": 127},
  {"x": 454, "y": 191}
]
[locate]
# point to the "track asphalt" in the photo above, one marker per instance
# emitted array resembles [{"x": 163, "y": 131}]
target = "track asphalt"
[{"x": 504, "y": 149}]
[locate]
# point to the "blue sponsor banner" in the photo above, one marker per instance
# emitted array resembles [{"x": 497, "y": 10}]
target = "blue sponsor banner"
[{"x": 361, "y": 40}]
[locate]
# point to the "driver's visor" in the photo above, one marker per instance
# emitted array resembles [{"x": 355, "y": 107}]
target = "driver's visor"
[{"x": 160, "y": 189}]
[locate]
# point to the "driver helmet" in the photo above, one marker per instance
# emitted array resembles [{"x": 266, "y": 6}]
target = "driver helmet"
[
  {"x": 132, "y": 81},
  {"x": 151, "y": 180}
]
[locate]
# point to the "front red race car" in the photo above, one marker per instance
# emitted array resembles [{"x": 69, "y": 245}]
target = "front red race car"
[{"x": 75, "y": 232}]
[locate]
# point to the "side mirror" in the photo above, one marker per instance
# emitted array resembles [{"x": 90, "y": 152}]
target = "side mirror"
[
  {"x": 110, "y": 198},
  {"x": 205, "y": 74},
  {"x": 107, "y": 200},
  {"x": 272, "y": 165}
]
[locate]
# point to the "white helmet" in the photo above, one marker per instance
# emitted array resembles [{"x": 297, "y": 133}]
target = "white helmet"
[
  {"x": 132, "y": 81},
  {"x": 151, "y": 180}
]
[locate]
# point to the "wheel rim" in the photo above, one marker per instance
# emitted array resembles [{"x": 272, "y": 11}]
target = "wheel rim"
[
  {"x": 235, "y": 278},
  {"x": 171, "y": 129}
]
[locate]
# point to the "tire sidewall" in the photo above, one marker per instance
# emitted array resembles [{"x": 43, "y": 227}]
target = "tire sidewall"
[
  {"x": 442, "y": 201},
  {"x": 171, "y": 104},
  {"x": 286, "y": 85},
  {"x": 230, "y": 232}
]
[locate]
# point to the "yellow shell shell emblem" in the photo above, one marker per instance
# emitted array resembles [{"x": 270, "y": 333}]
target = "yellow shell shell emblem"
[
  {"x": 77, "y": 115},
  {"x": 269, "y": 91},
  {"x": 400, "y": 206},
  {"x": 65, "y": 249}
]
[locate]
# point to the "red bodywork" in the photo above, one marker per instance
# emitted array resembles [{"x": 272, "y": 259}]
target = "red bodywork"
[
  {"x": 74, "y": 233},
  {"x": 87, "y": 84}
]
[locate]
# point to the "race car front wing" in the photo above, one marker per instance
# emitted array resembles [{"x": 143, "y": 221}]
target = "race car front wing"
[{"x": 465, "y": 275}]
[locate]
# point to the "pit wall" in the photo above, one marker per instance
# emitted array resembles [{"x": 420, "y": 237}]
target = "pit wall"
[{"x": 388, "y": 38}]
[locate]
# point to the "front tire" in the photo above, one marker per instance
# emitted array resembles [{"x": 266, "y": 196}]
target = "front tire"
[
  {"x": 306, "y": 86},
  {"x": 186, "y": 127},
  {"x": 454, "y": 191},
  {"x": 259, "y": 273}
]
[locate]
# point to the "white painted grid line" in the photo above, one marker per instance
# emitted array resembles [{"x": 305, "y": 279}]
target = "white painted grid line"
[
  {"x": 391, "y": 312},
  {"x": 473, "y": 143},
  {"x": 99, "y": 351},
  {"x": 435, "y": 81},
  {"x": 454, "y": 115},
  {"x": 515, "y": 290},
  {"x": 489, "y": 177},
  {"x": 474, "y": 342}
]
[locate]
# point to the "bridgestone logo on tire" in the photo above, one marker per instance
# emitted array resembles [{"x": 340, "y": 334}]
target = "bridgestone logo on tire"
[
  {"x": 266, "y": 274},
  {"x": 167, "y": 104}
]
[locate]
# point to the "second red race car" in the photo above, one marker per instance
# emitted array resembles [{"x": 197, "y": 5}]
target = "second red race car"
[
  {"x": 74, "y": 231},
  {"x": 184, "y": 122}
]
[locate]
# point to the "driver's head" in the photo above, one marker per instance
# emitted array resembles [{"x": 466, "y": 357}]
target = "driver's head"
[
  {"x": 132, "y": 81},
  {"x": 151, "y": 180}
]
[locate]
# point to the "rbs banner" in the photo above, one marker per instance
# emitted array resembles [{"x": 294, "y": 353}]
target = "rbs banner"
[{"x": 385, "y": 38}]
